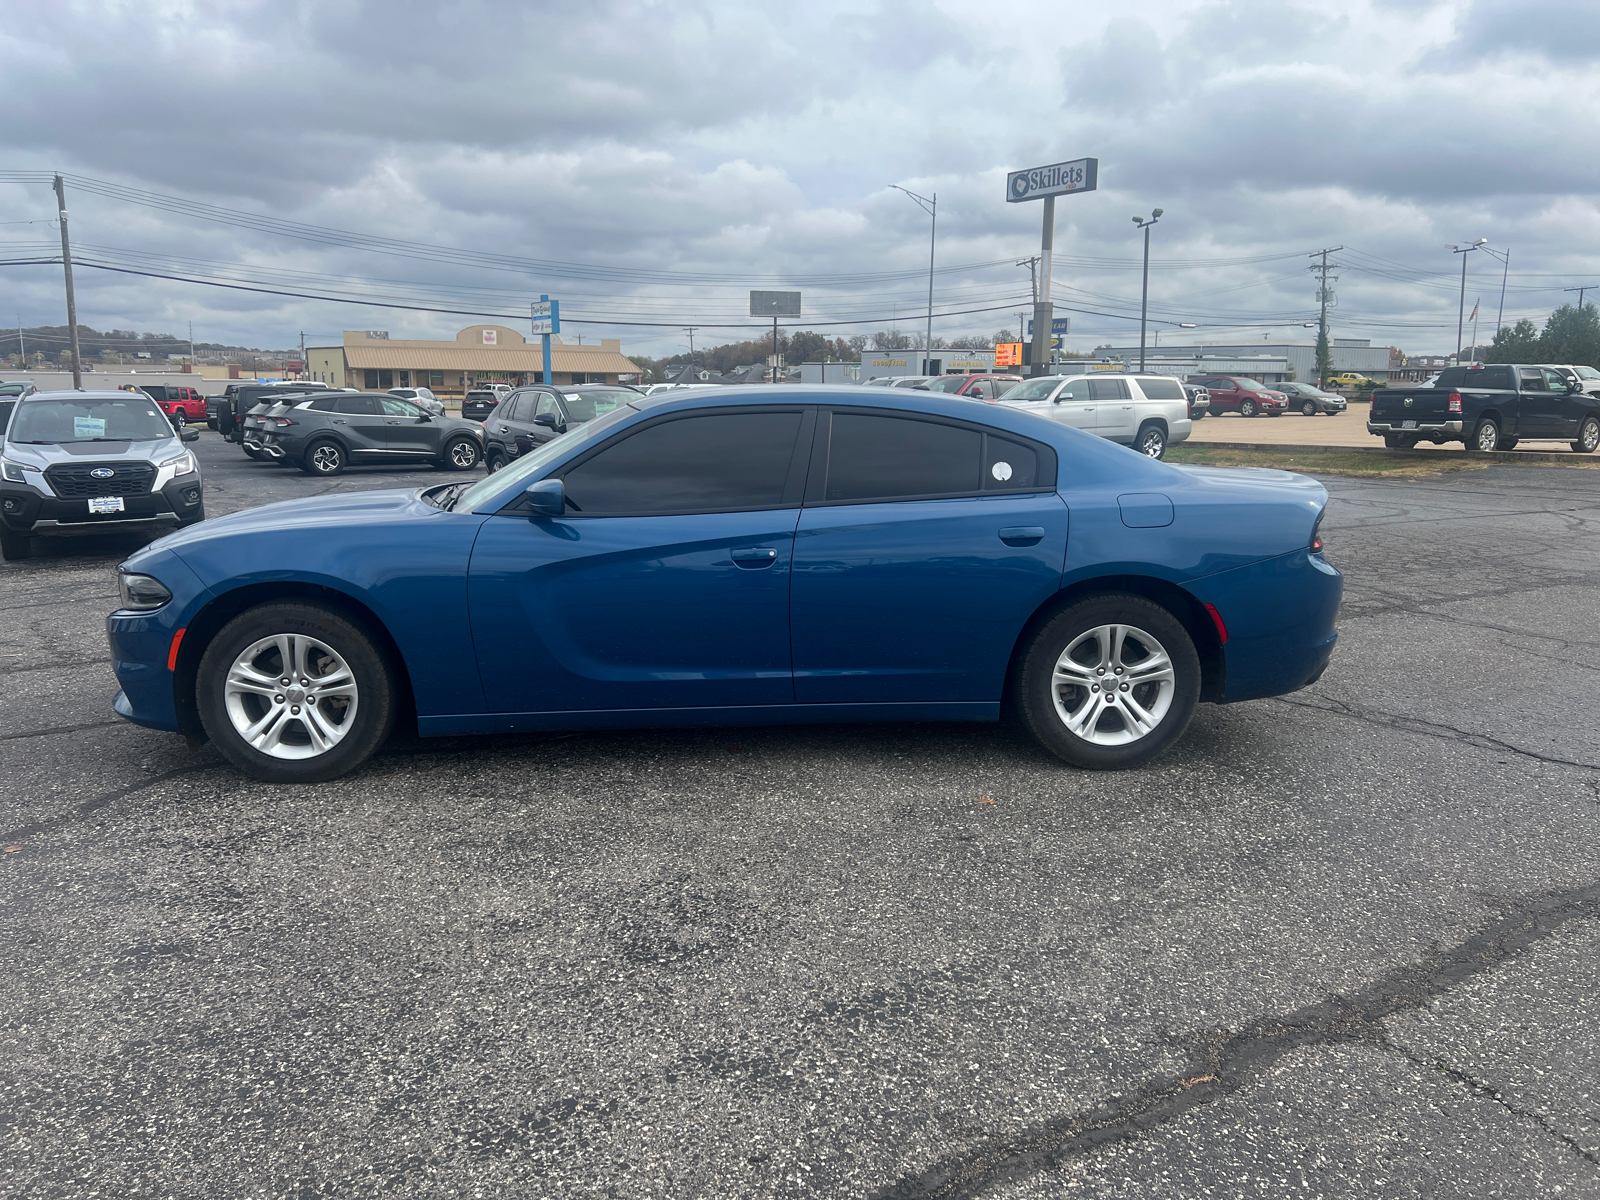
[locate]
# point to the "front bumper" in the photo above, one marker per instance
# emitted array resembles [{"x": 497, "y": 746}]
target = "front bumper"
[{"x": 27, "y": 511}]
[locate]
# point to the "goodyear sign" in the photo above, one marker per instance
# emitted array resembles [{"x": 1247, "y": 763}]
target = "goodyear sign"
[{"x": 1063, "y": 178}]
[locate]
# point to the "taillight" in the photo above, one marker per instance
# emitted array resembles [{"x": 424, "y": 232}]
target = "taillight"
[
  {"x": 1316, "y": 533},
  {"x": 280, "y": 422},
  {"x": 1455, "y": 401}
]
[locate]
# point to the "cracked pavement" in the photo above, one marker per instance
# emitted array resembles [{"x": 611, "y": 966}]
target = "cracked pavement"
[{"x": 1344, "y": 943}]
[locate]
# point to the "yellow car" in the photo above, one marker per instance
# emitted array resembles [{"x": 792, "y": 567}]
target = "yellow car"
[{"x": 1350, "y": 379}]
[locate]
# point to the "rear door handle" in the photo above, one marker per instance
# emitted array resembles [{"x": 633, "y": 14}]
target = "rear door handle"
[
  {"x": 755, "y": 557},
  {"x": 1022, "y": 535}
]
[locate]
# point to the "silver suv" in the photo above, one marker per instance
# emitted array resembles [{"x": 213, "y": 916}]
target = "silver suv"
[
  {"x": 1147, "y": 412},
  {"x": 93, "y": 462}
]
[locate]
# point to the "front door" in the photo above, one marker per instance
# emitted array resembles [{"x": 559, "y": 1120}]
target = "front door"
[
  {"x": 665, "y": 586},
  {"x": 408, "y": 430},
  {"x": 1076, "y": 405},
  {"x": 924, "y": 546},
  {"x": 362, "y": 422}
]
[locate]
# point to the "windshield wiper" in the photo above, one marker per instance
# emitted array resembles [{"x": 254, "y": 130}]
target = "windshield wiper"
[{"x": 446, "y": 496}]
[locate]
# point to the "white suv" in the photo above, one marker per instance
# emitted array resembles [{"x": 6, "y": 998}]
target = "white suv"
[{"x": 1147, "y": 412}]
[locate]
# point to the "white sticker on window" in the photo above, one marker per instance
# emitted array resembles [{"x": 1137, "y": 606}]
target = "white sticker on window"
[
  {"x": 88, "y": 427},
  {"x": 1001, "y": 471}
]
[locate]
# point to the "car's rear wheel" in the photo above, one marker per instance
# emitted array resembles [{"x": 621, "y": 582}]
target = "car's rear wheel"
[
  {"x": 1247, "y": 408},
  {"x": 15, "y": 546},
  {"x": 323, "y": 458},
  {"x": 1309, "y": 408},
  {"x": 1152, "y": 440},
  {"x": 1487, "y": 435},
  {"x": 295, "y": 693},
  {"x": 179, "y": 419},
  {"x": 1588, "y": 436},
  {"x": 1109, "y": 682},
  {"x": 461, "y": 454}
]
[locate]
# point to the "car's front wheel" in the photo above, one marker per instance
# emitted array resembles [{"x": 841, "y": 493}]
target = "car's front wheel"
[
  {"x": 295, "y": 693},
  {"x": 1309, "y": 408},
  {"x": 1109, "y": 682},
  {"x": 1588, "y": 436},
  {"x": 494, "y": 460},
  {"x": 1247, "y": 408},
  {"x": 15, "y": 546},
  {"x": 323, "y": 458},
  {"x": 461, "y": 454},
  {"x": 1152, "y": 440}
]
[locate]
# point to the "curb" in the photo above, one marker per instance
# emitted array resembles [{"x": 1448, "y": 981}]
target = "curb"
[{"x": 1538, "y": 456}]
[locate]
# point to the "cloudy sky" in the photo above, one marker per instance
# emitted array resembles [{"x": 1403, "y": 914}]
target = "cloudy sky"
[{"x": 650, "y": 162}]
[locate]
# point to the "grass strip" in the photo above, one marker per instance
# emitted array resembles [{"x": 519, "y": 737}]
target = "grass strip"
[{"x": 1367, "y": 466}]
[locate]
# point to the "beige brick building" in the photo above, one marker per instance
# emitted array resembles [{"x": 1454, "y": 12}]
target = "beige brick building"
[{"x": 374, "y": 362}]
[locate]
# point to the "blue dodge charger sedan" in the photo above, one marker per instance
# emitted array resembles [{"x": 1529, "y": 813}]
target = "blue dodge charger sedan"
[{"x": 740, "y": 556}]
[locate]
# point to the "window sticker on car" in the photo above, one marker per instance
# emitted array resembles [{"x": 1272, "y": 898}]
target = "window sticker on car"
[
  {"x": 1001, "y": 471},
  {"x": 88, "y": 427}
]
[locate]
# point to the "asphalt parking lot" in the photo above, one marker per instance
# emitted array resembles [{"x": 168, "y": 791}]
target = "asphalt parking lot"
[{"x": 1345, "y": 943}]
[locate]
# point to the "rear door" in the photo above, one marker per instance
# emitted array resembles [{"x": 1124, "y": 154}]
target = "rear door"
[
  {"x": 666, "y": 586},
  {"x": 1114, "y": 400},
  {"x": 924, "y": 545},
  {"x": 359, "y": 419}
]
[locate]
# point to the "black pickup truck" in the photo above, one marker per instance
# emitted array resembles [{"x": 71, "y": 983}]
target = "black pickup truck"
[{"x": 1487, "y": 407}]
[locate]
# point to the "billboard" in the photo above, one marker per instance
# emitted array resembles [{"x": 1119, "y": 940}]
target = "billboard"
[
  {"x": 774, "y": 304},
  {"x": 1007, "y": 354},
  {"x": 1057, "y": 179}
]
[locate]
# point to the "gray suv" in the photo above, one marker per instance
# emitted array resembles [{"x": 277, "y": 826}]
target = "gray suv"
[
  {"x": 323, "y": 435},
  {"x": 93, "y": 462}
]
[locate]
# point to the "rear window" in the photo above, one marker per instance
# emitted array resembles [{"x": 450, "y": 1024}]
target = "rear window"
[
  {"x": 1161, "y": 389},
  {"x": 900, "y": 458}
]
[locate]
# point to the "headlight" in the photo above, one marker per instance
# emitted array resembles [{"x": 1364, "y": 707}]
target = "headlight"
[
  {"x": 182, "y": 464},
  {"x": 11, "y": 470},
  {"x": 141, "y": 592}
]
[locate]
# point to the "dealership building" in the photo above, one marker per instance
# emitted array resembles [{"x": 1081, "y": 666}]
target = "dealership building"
[
  {"x": 480, "y": 354},
  {"x": 1270, "y": 362}
]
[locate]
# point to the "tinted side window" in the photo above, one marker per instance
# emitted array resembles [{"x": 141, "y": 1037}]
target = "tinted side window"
[
  {"x": 1451, "y": 377},
  {"x": 1108, "y": 389},
  {"x": 1497, "y": 378},
  {"x": 694, "y": 464},
  {"x": 358, "y": 406},
  {"x": 1532, "y": 379},
  {"x": 887, "y": 458},
  {"x": 325, "y": 404},
  {"x": 1009, "y": 465},
  {"x": 1161, "y": 389},
  {"x": 1078, "y": 389}
]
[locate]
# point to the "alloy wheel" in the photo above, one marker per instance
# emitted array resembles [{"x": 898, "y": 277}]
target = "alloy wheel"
[
  {"x": 1488, "y": 436},
  {"x": 1113, "y": 685},
  {"x": 326, "y": 459},
  {"x": 290, "y": 696},
  {"x": 463, "y": 454},
  {"x": 1589, "y": 439},
  {"x": 1247, "y": 408},
  {"x": 1152, "y": 443},
  {"x": 179, "y": 419}
]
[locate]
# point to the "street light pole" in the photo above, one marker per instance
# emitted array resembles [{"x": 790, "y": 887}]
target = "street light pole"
[
  {"x": 929, "y": 205},
  {"x": 1461, "y": 310},
  {"x": 1144, "y": 293}
]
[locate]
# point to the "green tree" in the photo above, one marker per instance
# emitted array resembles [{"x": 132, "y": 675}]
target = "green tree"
[
  {"x": 1572, "y": 335},
  {"x": 805, "y": 346},
  {"x": 1519, "y": 343},
  {"x": 1324, "y": 355},
  {"x": 858, "y": 343}
]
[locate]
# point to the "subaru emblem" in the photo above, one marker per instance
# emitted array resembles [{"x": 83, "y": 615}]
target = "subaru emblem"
[{"x": 102, "y": 472}]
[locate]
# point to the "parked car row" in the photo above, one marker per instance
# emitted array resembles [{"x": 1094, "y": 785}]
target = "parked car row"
[{"x": 325, "y": 433}]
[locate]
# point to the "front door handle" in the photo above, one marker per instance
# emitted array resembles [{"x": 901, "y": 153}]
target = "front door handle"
[
  {"x": 755, "y": 557},
  {"x": 1022, "y": 535}
]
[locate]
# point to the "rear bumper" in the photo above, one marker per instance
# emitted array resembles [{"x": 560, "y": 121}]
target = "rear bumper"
[{"x": 1452, "y": 427}]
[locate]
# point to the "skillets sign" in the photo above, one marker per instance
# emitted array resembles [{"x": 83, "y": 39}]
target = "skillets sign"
[{"x": 1035, "y": 183}]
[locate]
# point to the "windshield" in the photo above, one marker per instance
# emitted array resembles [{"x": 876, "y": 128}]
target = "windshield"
[
  {"x": 50, "y": 422},
  {"x": 1032, "y": 389},
  {"x": 534, "y": 461},
  {"x": 589, "y": 403},
  {"x": 1587, "y": 373},
  {"x": 950, "y": 383}
]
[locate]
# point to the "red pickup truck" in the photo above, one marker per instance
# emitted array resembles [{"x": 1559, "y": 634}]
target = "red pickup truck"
[{"x": 181, "y": 404}]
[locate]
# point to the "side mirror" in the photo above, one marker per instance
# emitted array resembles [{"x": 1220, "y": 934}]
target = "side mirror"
[
  {"x": 189, "y": 434},
  {"x": 424, "y": 419},
  {"x": 546, "y": 419},
  {"x": 547, "y": 498}
]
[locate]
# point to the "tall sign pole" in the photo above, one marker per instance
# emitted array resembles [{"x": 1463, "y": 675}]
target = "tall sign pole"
[
  {"x": 66, "y": 266},
  {"x": 1046, "y": 183},
  {"x": 775, "y": 305},
  {"x": 546, "y": 316}
]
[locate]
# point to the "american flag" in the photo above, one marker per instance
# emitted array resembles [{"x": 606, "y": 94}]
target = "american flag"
[{"x": 1474, "y": 315}]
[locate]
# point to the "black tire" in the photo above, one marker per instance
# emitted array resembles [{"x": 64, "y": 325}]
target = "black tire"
[
  {"x": 1309, "y": 408},
  {"x": 1037, "y": 694},
  {"x": 1588, "y": 436},
  {"x": 1151, "y": 440},
  {"x": 180, "y": 419},
  {"x": 369, "y": 726},
  {"x": 14, "y": 547},
  {"x": 461, "y": 454},
  {"x": 324, "y": 458},
  {"x": 1507, "y": 443},
  {"x": 1247, "y": 408},
  {"x": 494, "y": 460},
  {"x": 1486, "y": 435}
]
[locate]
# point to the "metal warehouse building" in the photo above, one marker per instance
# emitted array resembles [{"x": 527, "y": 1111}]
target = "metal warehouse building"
[
  {"x": 1349, "y": 354},
  {"x": 375, "y": 362}
]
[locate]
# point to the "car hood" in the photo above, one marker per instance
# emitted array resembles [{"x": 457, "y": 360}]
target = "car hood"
[{"x": 151, "y": 450}]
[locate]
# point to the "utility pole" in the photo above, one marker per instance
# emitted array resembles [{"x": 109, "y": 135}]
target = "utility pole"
[
  {"x": 66, "y": 266},
  {"x": 689, "y": 329},
  {"x": 1144, "y": 293},
  {"x": 1500, "y": 316},
  {"x": 303, "y": 371},
  {"x": 22, "y": 345},
  {"x": 1588, "y": 287},
  {"x": 193, "y": 366},
  {"x": 1461, "y": 309},
  {"x": 775, "y": 371},
  {"x": 1323, "y": 345},
  {"x": 929, "y": 205}
]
